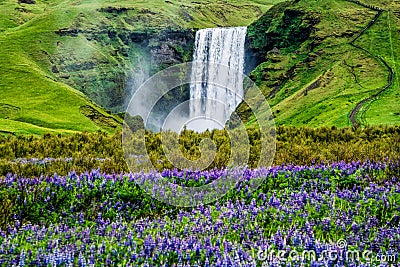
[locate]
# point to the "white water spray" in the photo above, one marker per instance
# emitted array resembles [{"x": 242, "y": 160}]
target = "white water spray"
[{"x": 215, "y": 92}]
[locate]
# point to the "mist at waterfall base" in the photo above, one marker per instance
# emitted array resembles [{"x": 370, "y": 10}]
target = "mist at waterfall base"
[
  {"x": 214, "y": 85},
  {"x": 137, "y": 77}
]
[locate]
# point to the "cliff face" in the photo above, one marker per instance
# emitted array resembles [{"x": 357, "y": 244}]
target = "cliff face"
[
  {"x": 283, "y": 27},
  {"x": 165, "y": 46},
  {"x": 123, "y": 60}
]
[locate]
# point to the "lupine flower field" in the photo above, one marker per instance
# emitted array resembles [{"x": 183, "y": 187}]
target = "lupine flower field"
[{"x": 97, "y": 219}]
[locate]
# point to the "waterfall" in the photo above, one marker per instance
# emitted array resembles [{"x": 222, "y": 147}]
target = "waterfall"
[{"x": 216, "y": 91}]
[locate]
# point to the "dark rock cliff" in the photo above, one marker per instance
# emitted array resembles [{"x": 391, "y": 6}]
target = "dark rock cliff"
[{"x": 125, "y": 60}]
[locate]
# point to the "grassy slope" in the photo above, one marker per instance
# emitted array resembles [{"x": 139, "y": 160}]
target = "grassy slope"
[
  {"x": 40, "y": 103},
  {"x": 385, "y": 109},
  {"x": 33, "y": 100},
  {"x": 185, "y": 13},
  {"x": 331, "y": 62}
]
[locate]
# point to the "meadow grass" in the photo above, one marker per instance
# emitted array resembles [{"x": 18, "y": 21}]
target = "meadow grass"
[{"x": 386, "y": 108}]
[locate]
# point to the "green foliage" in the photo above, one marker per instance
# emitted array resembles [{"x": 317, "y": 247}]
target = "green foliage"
[
  {"x": 83, "y": 200},
  {"x": 281, "y": 27},
  {"x": 310, "y": 73},
  {"x": 300, "y": 146},
  {"x": 134, "y": 123}
]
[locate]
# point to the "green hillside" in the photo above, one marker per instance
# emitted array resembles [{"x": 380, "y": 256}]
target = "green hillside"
[
  {"x": 32, "y": 99},
  {"x": 314, "y": 76},
  {"x": 63, "y": 63},
  {"x": 42, "y": 63}
]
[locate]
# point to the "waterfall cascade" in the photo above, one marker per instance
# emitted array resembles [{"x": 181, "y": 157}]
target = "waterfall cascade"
[{"x": 216, "y": 91}]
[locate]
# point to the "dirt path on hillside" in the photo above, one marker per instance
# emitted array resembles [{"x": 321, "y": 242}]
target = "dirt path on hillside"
[{"x": 354, "y": 112}]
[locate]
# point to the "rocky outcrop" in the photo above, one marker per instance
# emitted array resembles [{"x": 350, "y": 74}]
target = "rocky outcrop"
[
  {"x": 165, "y": 46},
  {"x": 97, "y": 117},
  {"x": 26, "y": 1},
  {"x": 135, "y": 51},
  {"x": 281, "y": 27}
]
